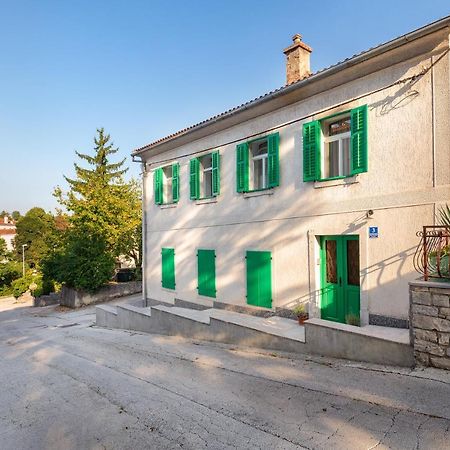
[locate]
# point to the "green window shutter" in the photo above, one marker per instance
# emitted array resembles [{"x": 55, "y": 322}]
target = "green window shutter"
[
  {"x": 259, "y": 278},
  {"x": 194, "y": 179},
  {"x": 206, "y": 269},
  {"x": 215, "y": 158},
  {"x": 175, "y": 182},
  {"x": 242, "y": 167},
  {"x": 168, "y": 268},
  {"x": 158, "y": 186},
  {"x": 311, "y": 151},
  {"x": 273, "y": 162},
  {"x": 358, "y": 140}
]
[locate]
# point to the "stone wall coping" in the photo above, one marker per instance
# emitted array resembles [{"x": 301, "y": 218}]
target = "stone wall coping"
[{"x": 431, "y": 284}]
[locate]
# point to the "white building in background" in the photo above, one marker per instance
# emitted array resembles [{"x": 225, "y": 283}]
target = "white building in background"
[
  {"x": 8, "y": 232},
  {"x": 311, "y": 193}
]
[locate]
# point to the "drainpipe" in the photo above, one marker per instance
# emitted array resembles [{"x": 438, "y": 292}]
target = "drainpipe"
[
  {"x": 144, "y": 235},
  {"x": 144, "y": 227}
]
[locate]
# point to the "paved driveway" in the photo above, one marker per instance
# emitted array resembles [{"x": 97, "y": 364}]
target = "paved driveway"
[{"x": 66, "y": 384}]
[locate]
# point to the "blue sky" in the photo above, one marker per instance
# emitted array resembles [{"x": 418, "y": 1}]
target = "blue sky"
[{"x": 144, "y": 69}]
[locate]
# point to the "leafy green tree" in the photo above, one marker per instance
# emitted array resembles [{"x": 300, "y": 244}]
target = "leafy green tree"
[
  {"x": 83, "y": 261},
  {"x": 35, "y": 229},
  {"x": 16, "y": 215},
  {"x": 101, "y": 202},
  {"x": 9, "y": 271},
  {"x": 4, "y": 253}
]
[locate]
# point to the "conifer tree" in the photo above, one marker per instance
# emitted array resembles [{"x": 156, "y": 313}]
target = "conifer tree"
[{"x": 99, "y": 200}]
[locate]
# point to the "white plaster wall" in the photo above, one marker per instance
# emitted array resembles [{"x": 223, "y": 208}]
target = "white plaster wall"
[{"x": 400, "y": 187}]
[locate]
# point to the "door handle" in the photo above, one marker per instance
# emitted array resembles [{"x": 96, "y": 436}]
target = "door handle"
[{"x": 340, "y": 281}]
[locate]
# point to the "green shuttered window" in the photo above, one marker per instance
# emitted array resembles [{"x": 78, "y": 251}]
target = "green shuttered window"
[
  {"x": 204, "y": 176},
  {"x": 259, "y": 278},
  {"x": 168, "y": 268},
  {"x": 215, "y": 173},
  {"x": 206, "y": 270},
  {"x": 311, "y": 151},
  {"x": 166, "y": 184},
  {"x": 242, "y": 167},
  {"x": 158, "y": 186},
  {"x": 175, "y": 182},
  {"x": 194, "y": 185},
  {"x": 258, "y": 164},
  {"x": 358, "y": 140},
  {"x": 336, "y": 146},
  {"x": 273, "y": 163}
]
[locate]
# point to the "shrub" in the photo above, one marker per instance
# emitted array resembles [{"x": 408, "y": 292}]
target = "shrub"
[
  {"x": 352, "y": 319},
  {"x": 21, "y": 285},
  {"x": 9, "y": 271},
  {"x": 83, "y": 262}
]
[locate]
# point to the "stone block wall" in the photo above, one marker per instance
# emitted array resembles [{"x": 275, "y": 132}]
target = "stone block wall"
[
  {"x": 430, "y": 323},
  {"x": 73, "y": 298}
]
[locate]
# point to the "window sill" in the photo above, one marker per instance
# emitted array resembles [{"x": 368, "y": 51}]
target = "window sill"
[
  {"x": 168, "y": 205},
  {"x": 336, "y": 182},
  {"x": 251, "y": 194},
  {"x": 204, "y": 201}
]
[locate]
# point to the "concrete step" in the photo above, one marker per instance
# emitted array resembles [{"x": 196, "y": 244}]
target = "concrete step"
[
  {"x": 370, "y": 343},
  {"x": 106, "y": 316},
  {"x": 380, "y": 345}
]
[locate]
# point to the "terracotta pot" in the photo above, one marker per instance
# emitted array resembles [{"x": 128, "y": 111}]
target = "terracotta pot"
[{"x": 302, "y": 318}]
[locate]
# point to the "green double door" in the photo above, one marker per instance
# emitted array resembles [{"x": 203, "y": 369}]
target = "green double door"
[{"x": 340, "y": 280}]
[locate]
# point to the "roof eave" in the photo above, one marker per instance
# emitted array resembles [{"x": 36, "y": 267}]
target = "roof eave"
[{"x": 285, "y": 90}]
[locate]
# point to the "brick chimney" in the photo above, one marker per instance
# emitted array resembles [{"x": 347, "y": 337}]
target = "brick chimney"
[{"x": 297, "y": 60}]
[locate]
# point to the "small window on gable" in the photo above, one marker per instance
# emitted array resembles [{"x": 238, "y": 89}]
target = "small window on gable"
[
  {"x": 167, "y": 184},
  {"x": 206, "y": 176},
  {"x": 336, "y": 147}
]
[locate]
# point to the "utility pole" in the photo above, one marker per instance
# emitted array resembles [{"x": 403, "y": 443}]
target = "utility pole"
[{"x": 23, "y": 259}]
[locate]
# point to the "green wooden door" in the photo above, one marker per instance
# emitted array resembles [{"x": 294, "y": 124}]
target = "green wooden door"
[
  {"x": 259, "y": 278},
  {"x": 340, "y": 280}
]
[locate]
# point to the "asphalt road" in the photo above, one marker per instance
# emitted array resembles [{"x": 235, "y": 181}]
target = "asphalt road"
[{"x": 66, "y": 384}]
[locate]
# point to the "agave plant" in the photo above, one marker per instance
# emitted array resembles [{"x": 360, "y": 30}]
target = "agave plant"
[{"x": 444, "y": 215}]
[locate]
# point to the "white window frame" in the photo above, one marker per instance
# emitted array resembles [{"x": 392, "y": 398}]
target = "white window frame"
[
  {"x": 327, "y": 140},
  {"x": 203, "y": 178},
  {"x": 167, "y": 185},
  {"x": 255, "y": 159}
]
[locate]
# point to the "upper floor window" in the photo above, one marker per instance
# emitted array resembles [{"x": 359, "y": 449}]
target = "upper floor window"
[
  {"x": 166, "y": 184},
  {"x": 257, "y": 164},
  {"x": 336, "y": 143},
  {"x": 335, "y": 147},
  {"x": 258, "y": 170},
  {"x": 204, "y": 176}
]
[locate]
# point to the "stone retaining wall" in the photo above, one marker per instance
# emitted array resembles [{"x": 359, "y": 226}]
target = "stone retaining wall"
[
  {"x": 430, "y": 323},
  {"x": 75, "y": 298},
  {"x": 47, "y": 300}
]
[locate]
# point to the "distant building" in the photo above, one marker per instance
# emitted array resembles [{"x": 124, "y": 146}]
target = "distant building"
[{"x": 8, "y": 231}]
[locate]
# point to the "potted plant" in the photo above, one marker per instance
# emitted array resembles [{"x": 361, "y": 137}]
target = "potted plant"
[
  {"x": 352, "y": 319},
  {"x": 301, "y": 312}
]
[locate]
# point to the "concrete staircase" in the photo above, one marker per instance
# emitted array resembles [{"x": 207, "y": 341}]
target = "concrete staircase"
[{"x": 380, "y": 345}]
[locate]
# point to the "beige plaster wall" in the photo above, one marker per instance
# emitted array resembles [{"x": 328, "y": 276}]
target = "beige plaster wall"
[{"x": 408, "y": 148}]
